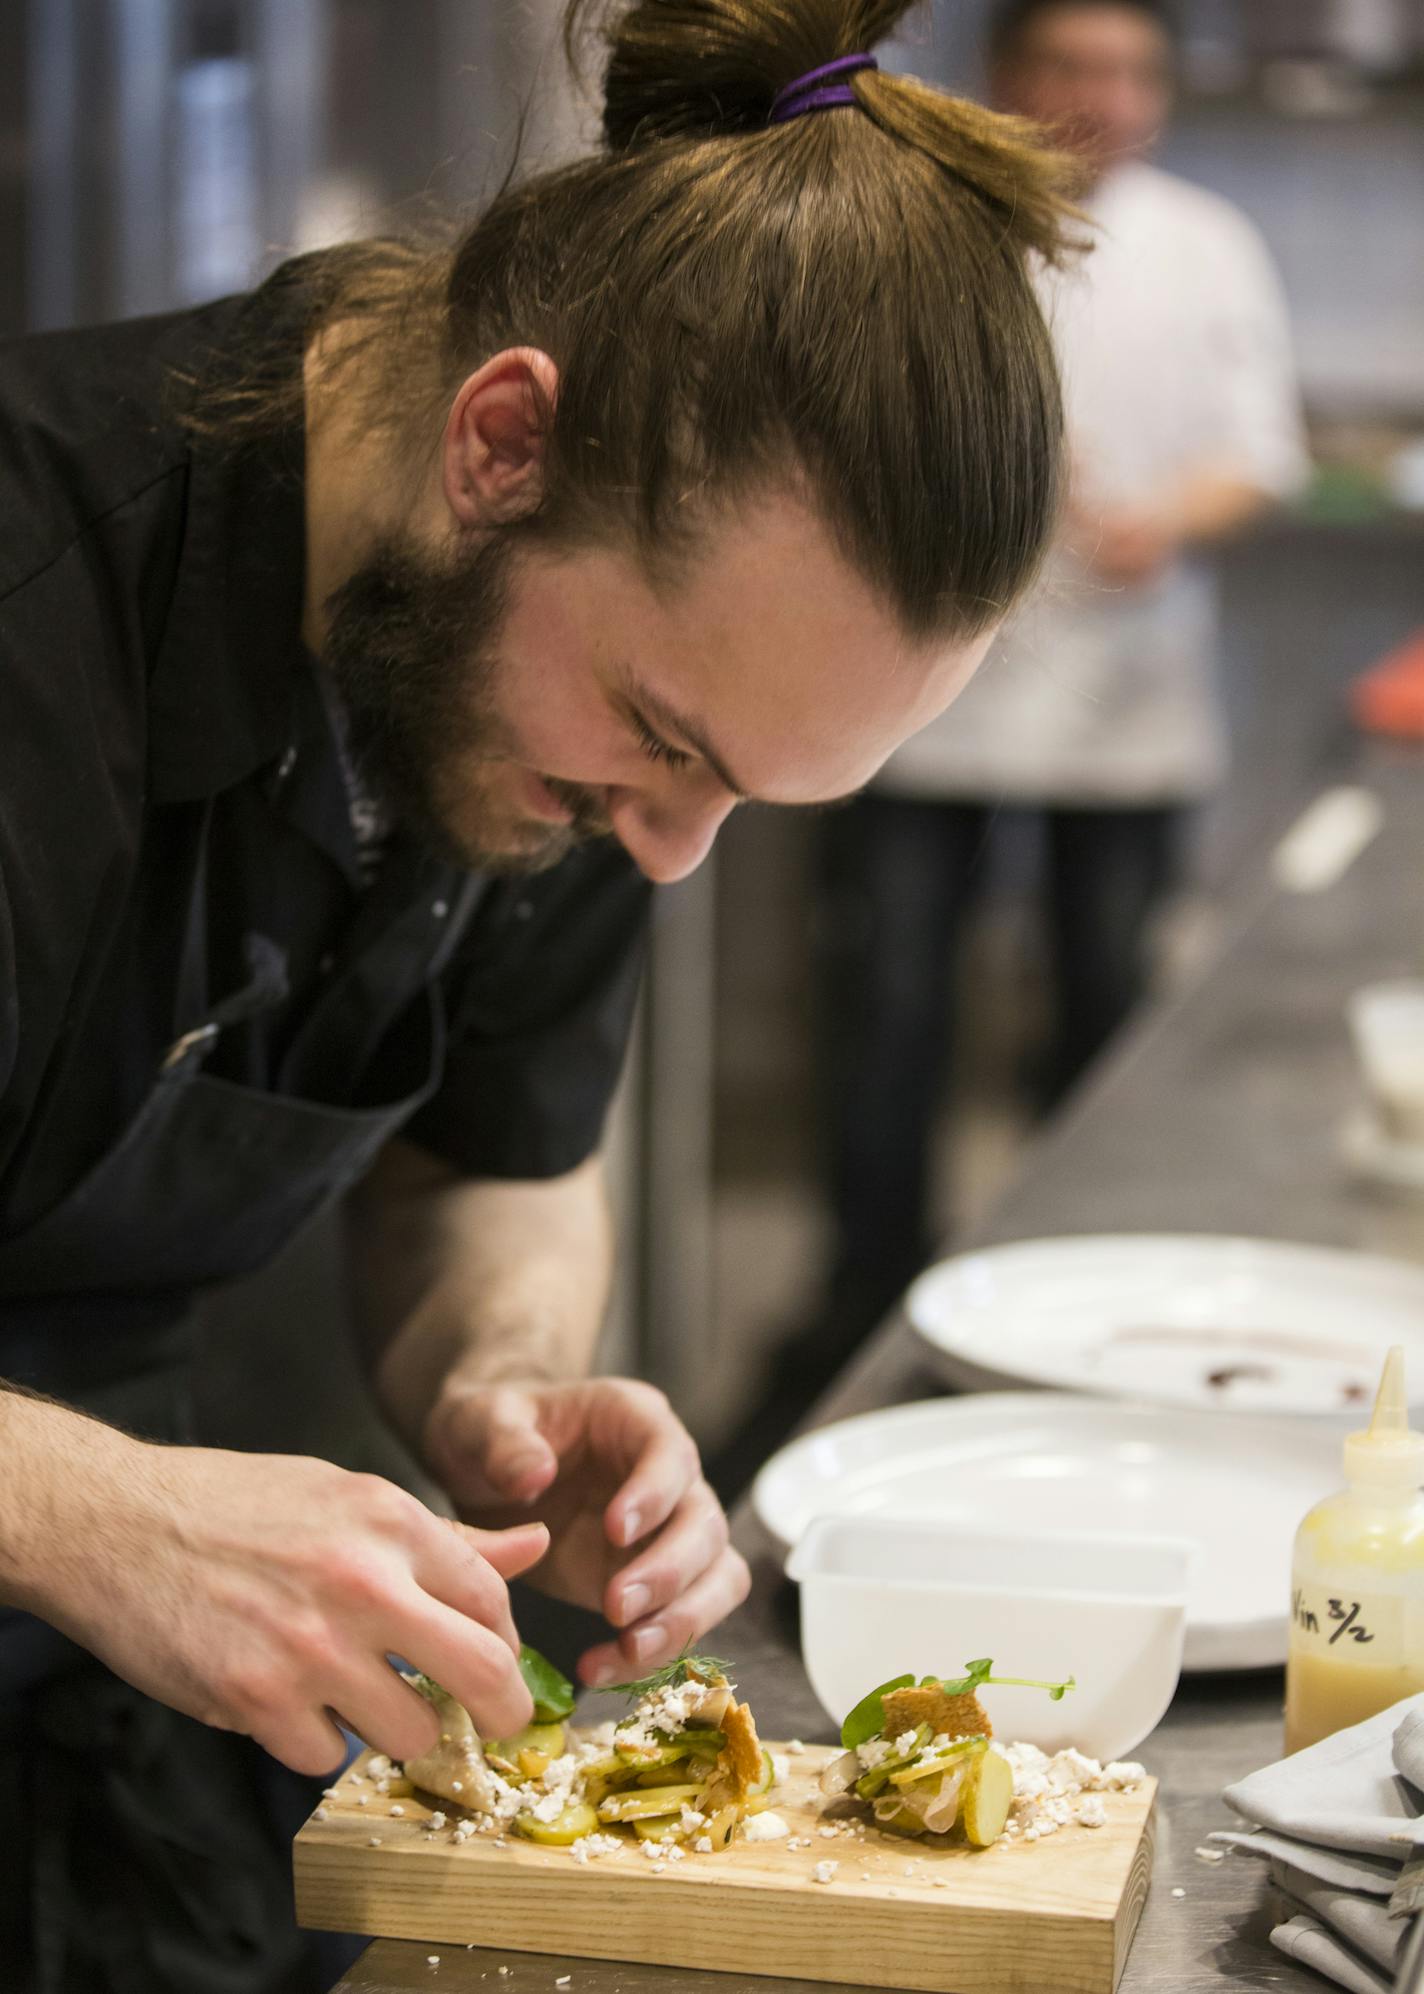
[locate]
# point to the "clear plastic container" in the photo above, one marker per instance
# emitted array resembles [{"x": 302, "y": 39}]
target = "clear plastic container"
[{"x": 1357, "y": 1580}]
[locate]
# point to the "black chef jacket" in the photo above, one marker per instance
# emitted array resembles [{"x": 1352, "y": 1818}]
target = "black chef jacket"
[{"x": 152, "y": 681}]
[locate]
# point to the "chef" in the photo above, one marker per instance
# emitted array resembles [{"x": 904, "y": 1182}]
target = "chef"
[{"x": 368, "y": 646}]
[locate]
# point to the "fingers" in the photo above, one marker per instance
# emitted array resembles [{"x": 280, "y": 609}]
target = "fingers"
[
  {"x": 452, "y": 1568},
  {"x": 381, "y": 1708},
  {"x": 692, "y": 1539},
  {"x": 495, "y": 1436},
  {"x": 673, "y": 1628},
  {"x": 306, "y": 1740},
  {"x": 475, "y": 1666},
  {"x": 511, "y": 1552},
  {"x": 665, "y": 1465}
]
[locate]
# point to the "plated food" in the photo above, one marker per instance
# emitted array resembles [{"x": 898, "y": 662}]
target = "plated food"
[
  {"x": 685, "y": 1767},
  {"x": 920, "y": 1756}
]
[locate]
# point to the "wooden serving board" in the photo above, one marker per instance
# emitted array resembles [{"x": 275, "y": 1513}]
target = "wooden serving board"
[{"x": 1017, "y": 1918}]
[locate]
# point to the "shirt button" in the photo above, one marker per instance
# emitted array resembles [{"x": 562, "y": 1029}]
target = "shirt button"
[
  {"x": 286, "y": 765},
  {"x": 325, "y": 964},
  {"x": 523, "y": 909},
  {"x": 440, "y": 909}
]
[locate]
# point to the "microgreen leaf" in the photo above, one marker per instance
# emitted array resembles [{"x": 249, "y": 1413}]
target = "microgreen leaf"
[
  {"x": 977, "y": 1674},
  {"x": 704, "y": 1668},
  {"x": 867, "y": 1720},
  {"x": 553, "y": 1693}
]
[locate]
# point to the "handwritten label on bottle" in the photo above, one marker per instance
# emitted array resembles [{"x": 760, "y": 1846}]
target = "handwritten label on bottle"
[{"x": 1363, "y": 1626}]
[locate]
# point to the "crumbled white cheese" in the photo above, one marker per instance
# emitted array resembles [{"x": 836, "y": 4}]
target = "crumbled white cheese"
[
  {"x": 375, "y": 1841},
  {"x": 437, "y": 1819},
  {"x": 320, "y": 1814},
  {"x": 703, "y": 1845},
  {"x": 589, "y": 1847},
  {"x": 1053, "y": 1793},
  {"x": 780, "y": 1768},
  {"x": 665, "y": 1711},
  {"x": 824, "y": 1871},
  {"x": 397, "y": 1810},
  {"x": 766, "y": 1827}
]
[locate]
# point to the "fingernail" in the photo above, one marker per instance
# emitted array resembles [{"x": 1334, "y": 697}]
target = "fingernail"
[
  {"x": 648, "y": 1640},
  {"x": 636, "y": 1600},
  {"x": 607, "y": 1673},
  {"x": 632, "y": 1526}
]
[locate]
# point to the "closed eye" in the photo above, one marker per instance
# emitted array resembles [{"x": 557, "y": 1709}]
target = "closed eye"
[{"x": 655, "y": 747}]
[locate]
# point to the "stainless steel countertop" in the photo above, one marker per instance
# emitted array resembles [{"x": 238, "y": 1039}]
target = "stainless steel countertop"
[{"x": 1219, "y": 1114}]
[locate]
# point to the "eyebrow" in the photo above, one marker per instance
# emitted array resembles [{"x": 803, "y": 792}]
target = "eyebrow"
[{"x": 688, "y": 730}]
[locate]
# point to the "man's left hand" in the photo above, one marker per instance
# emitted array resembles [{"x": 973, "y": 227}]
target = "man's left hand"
[{"x": 635, "y": 1531}]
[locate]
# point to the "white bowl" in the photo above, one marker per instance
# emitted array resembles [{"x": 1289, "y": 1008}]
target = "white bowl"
[{"x": 881, "y": 1599}]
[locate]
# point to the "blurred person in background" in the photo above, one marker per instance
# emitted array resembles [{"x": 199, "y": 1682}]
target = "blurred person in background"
[
  {"x": 368, "y": 645},
  {"x": 1098, "y": 706}
]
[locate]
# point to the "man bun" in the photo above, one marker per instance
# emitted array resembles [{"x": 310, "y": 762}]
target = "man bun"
[{"x": 699, "y": 69}]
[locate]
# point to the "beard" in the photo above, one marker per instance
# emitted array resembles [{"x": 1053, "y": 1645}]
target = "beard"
[{"x": 411, "y": 645}]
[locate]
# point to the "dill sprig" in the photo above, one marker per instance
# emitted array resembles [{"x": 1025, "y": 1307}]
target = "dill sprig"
[{"x": 673, "y": 1675}]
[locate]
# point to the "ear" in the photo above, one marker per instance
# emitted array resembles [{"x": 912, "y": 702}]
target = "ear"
[{"x": 493, "y": 450}]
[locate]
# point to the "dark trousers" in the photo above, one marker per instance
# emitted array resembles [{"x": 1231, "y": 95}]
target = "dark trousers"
[{"x": 898, "y": 880}]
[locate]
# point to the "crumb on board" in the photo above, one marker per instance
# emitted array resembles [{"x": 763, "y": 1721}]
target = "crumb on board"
[{"x": 1179, "y": 1892}]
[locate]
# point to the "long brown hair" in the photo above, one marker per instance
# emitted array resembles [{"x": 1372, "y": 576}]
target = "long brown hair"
[{"x": 842, "y": 300}]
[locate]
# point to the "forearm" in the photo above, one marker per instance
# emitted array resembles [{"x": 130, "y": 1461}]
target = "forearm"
[
  {"x": 493, "y": 1280},
  {"x": 61, "y": 1474}
]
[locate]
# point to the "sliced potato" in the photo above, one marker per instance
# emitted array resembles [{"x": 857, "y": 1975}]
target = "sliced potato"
[
  {"x": 645, "y": 1804},
  {"x": 572, "y": 1825},
  {"x": 661, "y": 1828},
  {"x": 985, "y": 1798}
]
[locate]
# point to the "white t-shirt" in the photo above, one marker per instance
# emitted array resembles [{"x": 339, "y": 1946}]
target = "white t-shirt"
[{"x": 1175, "y": 353}]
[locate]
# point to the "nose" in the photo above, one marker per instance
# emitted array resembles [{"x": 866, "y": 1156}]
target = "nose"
[{"x": 668, "y": 838}]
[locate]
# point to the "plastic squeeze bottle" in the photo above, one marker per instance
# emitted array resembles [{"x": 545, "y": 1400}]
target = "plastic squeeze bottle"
[{"x": 1357, "y": 1579}]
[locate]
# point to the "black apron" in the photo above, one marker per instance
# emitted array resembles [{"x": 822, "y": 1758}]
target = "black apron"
[{"x": 142, "y": 1852}]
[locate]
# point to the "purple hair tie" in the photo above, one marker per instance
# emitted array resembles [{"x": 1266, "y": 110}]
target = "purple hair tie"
[{"x": 819, "y": 89}]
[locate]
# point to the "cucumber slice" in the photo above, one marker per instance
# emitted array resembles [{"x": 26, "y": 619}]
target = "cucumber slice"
[
  {"x": 646, "y": 1804},
  {"x": 572, "y": 1825},
  {"x": 668, "y": 1751},
  {"x": 546, "y": 1738},
  {"x": 985, "y": 1798},
  {"x": 942, "y": 1762},
  {"x": 678, "y": 1775}
]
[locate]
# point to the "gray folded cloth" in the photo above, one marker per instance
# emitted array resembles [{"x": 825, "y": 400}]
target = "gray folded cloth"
[
  {"x": 1351, "y": 1791},
  {"x": 1375, "y": 1875},
  {"x": 1337, "y": 1822},
  {"x": 1364, "y": 1921},
  {"x": 1312, "y": 1945}
]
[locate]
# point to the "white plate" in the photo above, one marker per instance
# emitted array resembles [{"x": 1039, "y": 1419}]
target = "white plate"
[
  {"x": 1033, "y": 1461},
  {"x": 1237, "y": 1325}
]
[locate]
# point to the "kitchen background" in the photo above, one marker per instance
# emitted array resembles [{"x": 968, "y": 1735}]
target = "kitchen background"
[{"x": 157, "y": 152}]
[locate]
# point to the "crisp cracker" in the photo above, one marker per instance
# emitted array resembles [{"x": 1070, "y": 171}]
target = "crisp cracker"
[{"x": 947, "y": 1716}]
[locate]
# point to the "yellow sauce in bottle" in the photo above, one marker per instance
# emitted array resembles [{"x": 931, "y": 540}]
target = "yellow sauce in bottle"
[{"x": 1357, "y": 1580}]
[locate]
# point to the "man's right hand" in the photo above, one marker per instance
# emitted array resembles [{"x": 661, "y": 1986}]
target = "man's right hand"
[{"x": 262, "y": 1593}]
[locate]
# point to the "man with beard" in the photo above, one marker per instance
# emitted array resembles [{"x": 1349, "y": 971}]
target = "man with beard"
[{"x": 367, "y": 646}]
